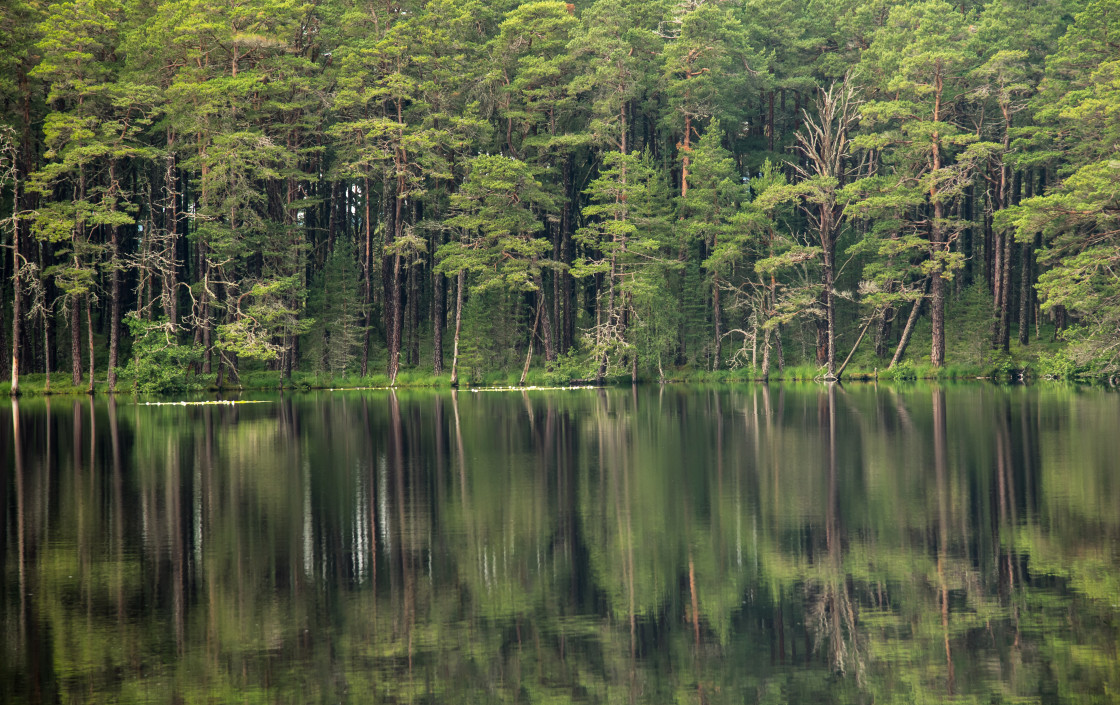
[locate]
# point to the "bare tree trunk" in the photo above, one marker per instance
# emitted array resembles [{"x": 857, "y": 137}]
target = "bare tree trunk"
[
  {"x": 937, "y": 310},
  {"x": 460, "y": 280},
  {"x": 438, "y": 303},
  {"x": 17, "y": 288},
  {"x": 862, "y": 332},
  {"x": 89, "y": 338},
  {"x": 1003, "y": 337},
  {"x": 204, "y": 312},
  {"x": 75, "y": 341},
  {"x": 367, "y": 287},
  {"x": 765, "y": 372},
  {"x": 609, "y": 322},
  {"x": 114, "y": 287},
  {"x": 395, "y": 316},
  {"x": 47, "y": 349},
  {"x": 554, "y": 280},
  {"x": 821, "y": 330},
  {"x": 566, "y": 323},
  {"x": 937, "y": 241},
  {"x": 1025, "y": 294},
  {"x": 114, "y": 319},
  {"x": 779, "y": 349},
  {"x": 170, "y": 275},
  {"x": 532, "y": 334},
  {"x": 717, "y": 313},
  {"x": 905, "y": 339},
  {"x": 413, "y": 316},
  {"x": 546, "y": 324},
  {"x": 830, "y": 310},
  {"x": 883, "y": 330},
  {"x": 415, "y": 297}
]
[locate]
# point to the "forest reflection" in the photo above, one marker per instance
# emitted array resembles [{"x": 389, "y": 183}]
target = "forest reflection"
[{"x": 759, "y": 544}]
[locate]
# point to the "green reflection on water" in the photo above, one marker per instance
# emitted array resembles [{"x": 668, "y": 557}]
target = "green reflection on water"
[{"x": 783, "y": 544}]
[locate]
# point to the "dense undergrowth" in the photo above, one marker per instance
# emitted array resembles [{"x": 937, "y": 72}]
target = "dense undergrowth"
[{"x": 1044, "y": 357}]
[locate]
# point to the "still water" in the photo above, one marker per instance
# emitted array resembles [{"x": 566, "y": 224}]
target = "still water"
[{"x": 731, "y": 545}]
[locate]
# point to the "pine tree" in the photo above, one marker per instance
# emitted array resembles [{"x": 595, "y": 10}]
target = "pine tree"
[{"x": 334, "y": 306}]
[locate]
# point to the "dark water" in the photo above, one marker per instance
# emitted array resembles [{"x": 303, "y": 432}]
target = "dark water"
[{"x": 796, "y": 544}]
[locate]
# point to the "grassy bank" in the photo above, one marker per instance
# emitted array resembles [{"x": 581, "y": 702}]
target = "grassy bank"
[
  {"x": 999, "y": 368},
  {"x": 968, "y": 342}
]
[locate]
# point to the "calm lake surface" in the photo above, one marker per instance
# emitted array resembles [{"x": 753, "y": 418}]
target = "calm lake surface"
[{"x": 728, "y": 545}]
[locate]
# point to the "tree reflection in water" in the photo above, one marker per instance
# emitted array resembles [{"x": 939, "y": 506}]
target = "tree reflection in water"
[{"x": 758, "y": 544}]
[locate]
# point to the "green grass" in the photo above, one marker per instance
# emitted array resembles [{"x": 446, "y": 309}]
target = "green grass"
[{"x": 61, "y": 384}]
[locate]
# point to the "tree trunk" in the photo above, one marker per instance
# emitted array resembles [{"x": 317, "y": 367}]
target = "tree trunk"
[
  {"x": 21, "y": 169},
  {"x": 4, "y": 276},
  {"x": 114, "y": 289},
  {"x": 830, "y": 309},
  {"x": 367, "y": 288},
  {"x": 395, "y": 315},
  {"x": 438, "y": 303},
  {"x": 566, "y": 255},
  {"x": 17, "y": 288},
  {"x": 413, "y": 316},
  {"x": 905, "y": 339},
  {"x": 844, "y": 365},
  {"x": 716, "y": 315},
  {"x": 170, "y": 276},
  {"x": 460, "y": 280},
  {"x": 937, "y": 241},
  {"x": 532, "y": 334},
  {"x": 207, "y": 364},
  {"x": 554, "y": 280},
  {"x": 75, "y": 341},
  {"x": 765, "y": 371},
  {"x": 937, "y": 310},
  {"x": 686, "y": 153},
  {"x": 605, "y": 327},
  {"x": 883, "y": 330},
  {"x": 1004, "y": 329},
  {"x": 770, "y": 124},
  {"x": 546, "y": 324},
  {"x": 634, "y": 366},
  {"x": 89, "y": 338},
  {"x": 779, "y": 349},
  {"x": 820, "y": 326},
  {"x": 989, "y": 253},
  {"x": 1001, "y": 243},
  {"x": 46, "y": 355},
  {"x": 1025, "y": 293}
]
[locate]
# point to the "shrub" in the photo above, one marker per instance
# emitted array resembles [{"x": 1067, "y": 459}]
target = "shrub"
[
  {"x": 1056, "y": 366},
  {"x": 159, "y": 363}
]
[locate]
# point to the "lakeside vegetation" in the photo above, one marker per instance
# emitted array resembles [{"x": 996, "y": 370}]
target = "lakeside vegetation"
[{"x": 203, "y": 195}]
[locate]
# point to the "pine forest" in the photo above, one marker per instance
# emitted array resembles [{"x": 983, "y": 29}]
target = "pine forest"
[{"x": 203, "y": 194}]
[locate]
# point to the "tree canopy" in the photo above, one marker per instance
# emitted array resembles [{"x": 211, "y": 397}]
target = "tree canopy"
[{"x": 642, "y": 189}]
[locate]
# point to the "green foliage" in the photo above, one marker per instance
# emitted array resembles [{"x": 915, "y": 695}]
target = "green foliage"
[
  {"x": 493, "y": 334},
  {"x": 1058, "y": 365},
  {"x": 269, "y": 172},
  {"x": 568, "y": 367},
  {"x": 160, "y": 364},
  {"x": 1001, "y": 367},
  {"x": 690, "y": 535},
  {"x": 903, "y": 371},
  {"x": 334, "y": 335},
  {"x": 494, "y": 212}
]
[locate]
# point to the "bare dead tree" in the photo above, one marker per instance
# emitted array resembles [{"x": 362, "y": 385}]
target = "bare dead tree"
[{"x": 825, "y": 144}]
